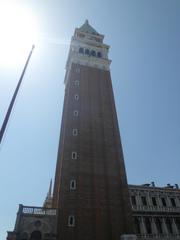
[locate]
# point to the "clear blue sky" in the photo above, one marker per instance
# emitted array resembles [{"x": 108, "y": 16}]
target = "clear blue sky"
[{"x": 144, "y": 37}]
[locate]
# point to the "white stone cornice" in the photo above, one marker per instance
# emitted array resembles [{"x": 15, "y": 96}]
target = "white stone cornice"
[
  {"x": 88, "y": 42},
  {"x": 84, "y": 60}
]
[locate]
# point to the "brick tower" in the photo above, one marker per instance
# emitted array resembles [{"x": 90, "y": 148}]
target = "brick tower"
[
  {"x": 90, "y": 199},
  {"x": 90, "y": 190}
]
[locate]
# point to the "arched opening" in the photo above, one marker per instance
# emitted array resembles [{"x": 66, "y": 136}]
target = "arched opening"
[
  {"x": 169, "y": 226},
  {"x": 81, "y": 50},
  {"x": 99, "y": 54},
  {"x": 87, "y": 51},
  {"x": 148, "y": 225},
  {"x": 137, "y": 226},
  {"x": 154, "y": 202},
  {"x": 93, "y": 53},
  {"x": 71, "y": 221},
  {"x": 177, "y": 221},
  {"x": 36, "y": 235},
  {"x": 72, "y": 184},
  {"x": 159, "y": 226},
  {"x": 76, "y": 96},
  {"x": 133, "y": 200},
  {"x": 173, "y": 202},
  {"x": 163, "y": 200},
  {"x": 144, "y": 200}
]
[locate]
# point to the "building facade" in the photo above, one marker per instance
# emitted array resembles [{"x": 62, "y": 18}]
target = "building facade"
[
  {"x": 156, "y": 211},
  {"x": 91, "y": 199},
  {"x": 34, "y": 223},
  {"x": 156, "y": 215}
]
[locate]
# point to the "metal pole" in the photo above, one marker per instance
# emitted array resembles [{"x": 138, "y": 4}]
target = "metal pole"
[{"x": 3, "y": 128}]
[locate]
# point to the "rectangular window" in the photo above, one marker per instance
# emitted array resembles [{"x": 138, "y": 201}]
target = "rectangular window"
[
  {"x": 173, "y": 203},
  {"x": 163, "y": 202},
  {"x": 73, "y": 185},
  {"x": 75, "y": 132},
  {"x": 144, "y": 201},
  {"x": 71, "y": 221},
  {"x": 154, "y": 202},
  {"x": 75, "y": 113},
  {"x": 76, "y": 97},
  {"x": 76, "y": 82},
  {"x": 133, "y": 200},
  {"x": 74, "y": 155}
]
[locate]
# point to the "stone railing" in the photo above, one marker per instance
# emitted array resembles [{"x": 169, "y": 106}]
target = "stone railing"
[
  {"x": 155, "y": 208},
  {"x": 158, "y": 236},
  {"x": 37, "y": 210}
]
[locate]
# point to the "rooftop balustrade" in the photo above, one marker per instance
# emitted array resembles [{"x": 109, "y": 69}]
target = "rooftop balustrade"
[
  {"x": 37, "y": 210},
  {"x": 158, "y": 236}
]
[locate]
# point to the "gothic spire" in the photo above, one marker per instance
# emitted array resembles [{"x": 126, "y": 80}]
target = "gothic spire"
[
  {"x": 48, "y": 200},
  {"x": 50, "y": 189}
]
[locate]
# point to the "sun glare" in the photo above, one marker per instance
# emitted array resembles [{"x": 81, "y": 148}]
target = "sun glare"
[{"x": 18, "y": 31}]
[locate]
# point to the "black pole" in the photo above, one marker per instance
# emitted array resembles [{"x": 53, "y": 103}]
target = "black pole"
[{"x": 3, "y": 128}]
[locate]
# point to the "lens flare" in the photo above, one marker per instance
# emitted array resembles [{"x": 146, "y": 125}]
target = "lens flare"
[{"x": 18, "y": 31}]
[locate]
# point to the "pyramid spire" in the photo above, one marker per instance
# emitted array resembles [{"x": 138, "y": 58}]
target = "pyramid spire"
[{"x": 87, "y": 28}]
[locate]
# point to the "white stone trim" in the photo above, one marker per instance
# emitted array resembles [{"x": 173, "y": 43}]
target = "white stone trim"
[
  {"x": 87, "y": 60},
  {"x": 74, "y": 155},
  {"x": 71, "y": 221},
  {"x": 72, "y": 184},
  {"x": 75, "y": 132}
]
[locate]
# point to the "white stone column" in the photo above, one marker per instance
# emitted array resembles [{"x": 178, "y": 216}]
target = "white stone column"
[
  {"x": 138, "y": 199},
  {"x": 168, "y": 201},
  {"x": 174, "y": 227},
  {"x": 159, "y": 203},
  {"x": 148, "y": 200},
  {"x": 164, "y": 227},
  {"x": 142, "y": 225},
  {"x": 139, "y": 204},
  {"x": 153, "y": 226}
]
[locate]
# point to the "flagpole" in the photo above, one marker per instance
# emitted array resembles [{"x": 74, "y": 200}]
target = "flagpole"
[{"x": 8, "y": 113}]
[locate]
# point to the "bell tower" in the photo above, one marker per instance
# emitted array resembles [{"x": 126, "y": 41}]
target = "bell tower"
[{"x": 90, "y": 190}]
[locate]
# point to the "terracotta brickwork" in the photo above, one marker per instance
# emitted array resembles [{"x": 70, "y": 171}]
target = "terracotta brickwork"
[{"x": 100, "y": 203}]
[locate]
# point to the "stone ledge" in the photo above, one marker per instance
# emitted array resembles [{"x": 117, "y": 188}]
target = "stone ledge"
[{"x": 128, "y": 237}]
